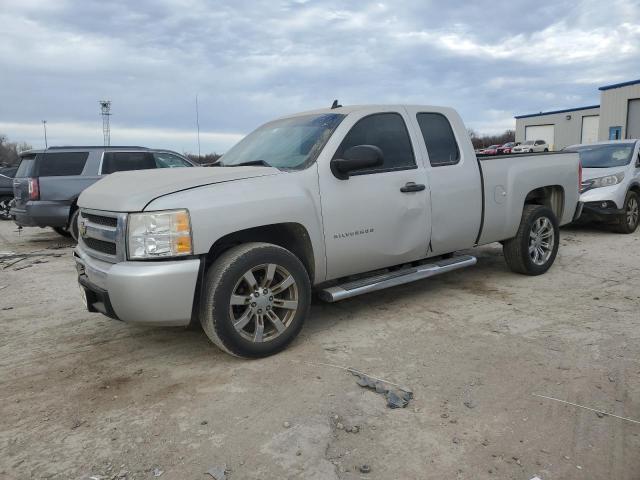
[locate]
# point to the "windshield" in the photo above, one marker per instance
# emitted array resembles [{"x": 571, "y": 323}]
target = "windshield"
[
  {"x": 528, "y": 142},
  {"x": 605, "y": 156},
  {"x": 288, "y": 143}
]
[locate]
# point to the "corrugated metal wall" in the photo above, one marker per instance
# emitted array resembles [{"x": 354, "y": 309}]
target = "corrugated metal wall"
[{"x": 613, "y": 109}]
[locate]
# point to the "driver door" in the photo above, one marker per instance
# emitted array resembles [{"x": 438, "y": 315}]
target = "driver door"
[{"x": 378, "y": 217}]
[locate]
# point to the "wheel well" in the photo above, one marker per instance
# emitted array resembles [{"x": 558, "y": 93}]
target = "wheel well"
[
  {"x": 550, "y": 196},
  {"x": 635, "y": 188},
  {"x": 292, "y": 236}
]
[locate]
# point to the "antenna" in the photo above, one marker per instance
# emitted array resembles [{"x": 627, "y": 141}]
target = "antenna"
[
  {"x": 198, "y": 126},
  {"x": 105, "y": 110},
  {"x": 44, "y": 125},
  {"x": 335, "y": 105}
]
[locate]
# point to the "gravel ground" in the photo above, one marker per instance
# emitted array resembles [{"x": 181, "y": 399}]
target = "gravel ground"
[{"x": 84, "y": 396}]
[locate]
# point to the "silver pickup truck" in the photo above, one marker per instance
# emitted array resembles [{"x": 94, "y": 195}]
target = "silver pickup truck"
[{"x": 341, "y": 201}]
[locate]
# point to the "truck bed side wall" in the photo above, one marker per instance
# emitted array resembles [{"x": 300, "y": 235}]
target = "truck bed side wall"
[{"x": 508, "y": 181}]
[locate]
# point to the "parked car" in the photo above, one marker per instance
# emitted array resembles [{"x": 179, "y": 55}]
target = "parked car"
[
  {"x": 531, "y": 146},
  {"x": 611, "y": 183},
  {"x": 6, "y": 191},
  {"x": 491, "y": 150},
  {"x": 506, "y": 148},
  {"x": 344, "y": 201},
  {"x": 48, "y": 182}
]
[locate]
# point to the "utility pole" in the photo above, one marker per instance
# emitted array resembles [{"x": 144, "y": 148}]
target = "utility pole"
[
  {"x": 198, "y": 126},
  {"x": 105, "y": 110},
  {"x": 44, "y": 125}
]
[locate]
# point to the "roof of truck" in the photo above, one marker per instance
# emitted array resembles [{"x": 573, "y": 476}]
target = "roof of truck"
[
  {"x": 93, "y": 147},
  {"x": 346, "y": 109}
]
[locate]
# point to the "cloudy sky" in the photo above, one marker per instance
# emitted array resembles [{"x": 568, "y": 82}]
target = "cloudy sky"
[{"x": 250, "y": 60}]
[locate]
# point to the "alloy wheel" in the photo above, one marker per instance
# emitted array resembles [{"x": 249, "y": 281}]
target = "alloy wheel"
[
  {"x": 632, "y": 212},
  {"x": 541, "y": 241},
  {"x": 264, "y": 302}
]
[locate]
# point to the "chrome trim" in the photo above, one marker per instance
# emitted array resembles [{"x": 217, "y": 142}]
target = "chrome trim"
[
  {"x": 392, "y": 279},
  {"x": 104, "y": 233}
]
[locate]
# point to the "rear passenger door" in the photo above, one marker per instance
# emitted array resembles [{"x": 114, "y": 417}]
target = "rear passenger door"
[{"x": 454, "y": 178}]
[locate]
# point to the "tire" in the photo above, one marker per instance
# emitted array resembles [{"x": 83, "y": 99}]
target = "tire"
[
  {"x": 5, "y": 206},
  {"x": 226, "y": 281},
  {"x": 517, "y": 250},
  {"x": 73, "y": 228},
  {"x": 546, "y": 149},
  {"x": 62, "y": 231},
  {"x": 628, "y": 221}
]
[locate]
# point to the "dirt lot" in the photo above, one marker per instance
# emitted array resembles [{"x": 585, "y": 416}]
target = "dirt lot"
[{"x": 85, "y": 396}]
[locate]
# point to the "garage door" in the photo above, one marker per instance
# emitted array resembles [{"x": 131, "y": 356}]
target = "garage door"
[
  {"x": 540, "y": 132},
  {"x": 633, "y": 119},
  {"x": 590, "y": 127}
]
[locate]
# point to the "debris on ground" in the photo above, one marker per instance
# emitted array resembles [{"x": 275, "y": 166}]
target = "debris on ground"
[
  {"x": 286, "y": 424},
  {"x": 365, "y": 468},
  {"x": 157, "y": 472},
  {"x": 600, "y": 412},
  {"x": 218, "y": 473},
  {"x": 396, "y": 397},
  {"x": 470, "y": 404}
]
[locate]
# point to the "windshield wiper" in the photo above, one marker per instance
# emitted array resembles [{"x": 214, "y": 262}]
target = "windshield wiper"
[{"x": 261, "y": 163}]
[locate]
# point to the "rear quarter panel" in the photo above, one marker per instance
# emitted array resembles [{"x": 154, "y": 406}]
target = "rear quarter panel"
[{"x": 508, "y": 181}]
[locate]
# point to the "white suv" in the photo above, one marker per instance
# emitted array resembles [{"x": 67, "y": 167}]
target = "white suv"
[{"x": 531, "y": 146}]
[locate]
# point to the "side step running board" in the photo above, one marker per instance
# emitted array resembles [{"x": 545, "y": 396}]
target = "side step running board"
[{"x": 392, "y": 279}]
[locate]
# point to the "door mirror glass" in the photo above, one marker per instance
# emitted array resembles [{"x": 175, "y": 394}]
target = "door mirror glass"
[{"x": 355, "y": 158}]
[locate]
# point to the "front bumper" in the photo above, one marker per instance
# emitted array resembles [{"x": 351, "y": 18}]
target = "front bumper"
[
  {"x": 155, "y": 293},
  {"x": 42, "y": 213},
  {"x": 593, "y": 211}
]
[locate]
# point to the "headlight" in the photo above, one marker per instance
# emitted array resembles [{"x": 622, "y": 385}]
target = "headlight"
[
  {"x": 159, "y": 234},
  {"x": 607, "y": 181}
]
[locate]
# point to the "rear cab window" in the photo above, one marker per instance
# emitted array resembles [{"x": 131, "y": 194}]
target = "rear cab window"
[
  {"x": 439, "y": 139},
  {"x": 388, "y": 132}
]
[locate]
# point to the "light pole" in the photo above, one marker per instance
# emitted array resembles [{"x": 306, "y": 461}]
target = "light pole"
[{"x": 44, "y": 125}]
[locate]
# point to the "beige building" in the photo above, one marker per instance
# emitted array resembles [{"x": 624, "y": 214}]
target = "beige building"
[{"x": 617, "y": 117}]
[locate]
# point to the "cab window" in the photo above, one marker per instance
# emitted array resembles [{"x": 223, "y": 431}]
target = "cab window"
[
  {"x": 439, "y": 139},
  {"x": 388, "y": 132}
]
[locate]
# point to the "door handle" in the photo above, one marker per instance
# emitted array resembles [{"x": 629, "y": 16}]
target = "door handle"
[{"x": 412, "y": 187}]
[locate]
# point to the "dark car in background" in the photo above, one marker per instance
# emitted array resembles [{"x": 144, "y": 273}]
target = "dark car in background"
[
  {"x": 48, "y": 182},
  {"x": 6, "y": 191}
]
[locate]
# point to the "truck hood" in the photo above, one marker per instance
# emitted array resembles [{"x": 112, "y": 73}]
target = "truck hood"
[{"x": 132, "y": 191}]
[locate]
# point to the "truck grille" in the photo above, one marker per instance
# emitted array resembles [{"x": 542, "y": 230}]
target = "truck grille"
[
  {"x": 101, "y": 220},
  {"x": 100, "y": 246},
  {"x": 102, "y": 234}
]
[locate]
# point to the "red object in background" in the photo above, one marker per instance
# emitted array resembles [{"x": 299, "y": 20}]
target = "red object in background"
[
  {"x": 492, "y": 150},
  {"x": 506, "y": 148}
]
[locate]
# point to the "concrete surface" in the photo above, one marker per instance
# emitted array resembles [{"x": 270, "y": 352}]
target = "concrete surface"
[{"x": 85, "y": 396}]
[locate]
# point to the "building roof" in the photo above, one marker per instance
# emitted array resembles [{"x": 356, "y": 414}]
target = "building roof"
[
  {"x": 620, "y": 85},
  {"x": 590, "y": 107}
]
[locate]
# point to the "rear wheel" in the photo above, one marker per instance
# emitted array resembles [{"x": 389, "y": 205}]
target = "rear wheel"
[
  {"x": 256, "y": 299},
  {"x": 628, "y": 221},
  {"x": 533, "y": 250},
  {"x": 5, "y": 206}
]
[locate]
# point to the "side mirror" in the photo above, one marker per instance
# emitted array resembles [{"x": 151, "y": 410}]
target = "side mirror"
[{"x": 356, "y": 158}]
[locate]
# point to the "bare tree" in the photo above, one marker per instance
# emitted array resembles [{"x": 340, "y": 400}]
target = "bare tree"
[
  {"x": 9, "y": 151},
  {"x": 483, "y": 141}
]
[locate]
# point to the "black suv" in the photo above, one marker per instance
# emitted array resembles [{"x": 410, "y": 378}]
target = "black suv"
[{"x": 48, "y": 182}]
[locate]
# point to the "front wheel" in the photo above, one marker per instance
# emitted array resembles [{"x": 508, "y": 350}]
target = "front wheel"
[
  {"x": 534, "y": 248},
  {"x": 256, "y": 299},
  {"x": 628, "y": 221}
]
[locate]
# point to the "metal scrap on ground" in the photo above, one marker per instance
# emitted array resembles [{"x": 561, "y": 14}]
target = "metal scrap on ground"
[
  {"x": 218, "y": 473},
  {"x": 397, "y": 397}
]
